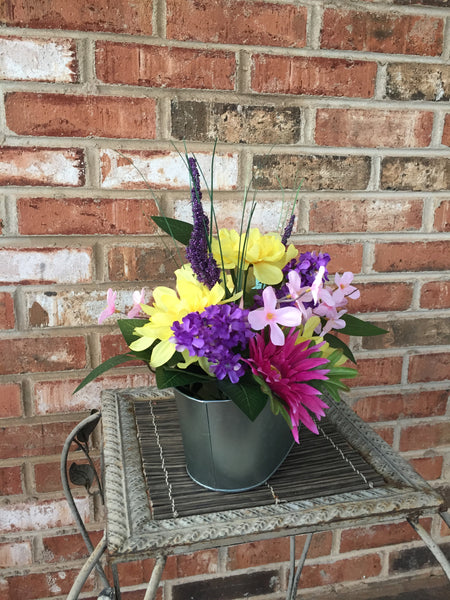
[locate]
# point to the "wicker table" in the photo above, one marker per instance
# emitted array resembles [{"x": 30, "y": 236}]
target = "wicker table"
[{"x": 346, "y": 476}]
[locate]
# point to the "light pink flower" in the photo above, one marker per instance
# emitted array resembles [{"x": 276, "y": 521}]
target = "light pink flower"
[
  {"x": 111, "y": 307},
  {"x": 138, "y": 299},
  {"x": 343, "y": 285},
  {"x": 273, "y": 317}
]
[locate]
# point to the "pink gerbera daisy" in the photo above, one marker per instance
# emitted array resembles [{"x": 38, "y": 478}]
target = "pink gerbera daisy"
[{"x": 285, "y": 369}]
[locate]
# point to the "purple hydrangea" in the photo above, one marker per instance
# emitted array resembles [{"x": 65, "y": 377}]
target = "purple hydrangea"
[
  {"x": 306, "y": 265},
  {"x": 219, "y": 333},
  {"x": 197, "y": 252}
]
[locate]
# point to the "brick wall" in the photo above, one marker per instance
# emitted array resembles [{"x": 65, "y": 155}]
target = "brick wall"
[{"x": 351, "y": 96}]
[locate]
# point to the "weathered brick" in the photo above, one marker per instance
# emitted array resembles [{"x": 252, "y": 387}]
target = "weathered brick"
[
  {"x": 416, "y": 174},
  {"x": 429, "y": 367},
  {"x": 43, "y": 515},
  {"x": 382, "y": 32},
  {"x": 141, "y": 264},
  {"x": 63, "y": 115},
  {"x": 41, "y": 166},
  {"x": 243, "y": 22},
  {"x": 52, "y": 60},
  {"x": 48, "y": 477},
  {"x": 85, "y": 216},
  {"x": 373, "y": 128},
  {"x": 378, "y": 214},
  {"x": 164, "y": 170},
  {"x": 351, "y": 569},
  {"x": 411, "y": 256},
  {"x": 112, "y": 344},
  {"x": 442, "y": 216},
  {"x": 121, "y": 17},
  {"x": 235, "y": 124},
  {"x": 57, "y": 396},
  {"x": 67, "y": 547},
  {"x": 45, "y": 265},
  {"x": 10, "y": 405},
  {"x": 411, "y": 559},
  {"x": 40, "y": 355},
  {"x": 34, "y": 440},
  {"x": 386, "y": 433},
  {"x": 435, "y": 294},
  {"x": 344, "y": 257},
  {"x": 10, "y": 481},
  {"x": 30, "y": 586},
  {"x": 315, "y": 172},
  {"x": 381, "y": 296},
  {"x": 227, "y": 588},
  {"x": 15, "y": 554},
  {"x": 245, "y": 556},
  {"x": 390, "y": 407},
  {"x": 379, "y": 535},
  {"x": 410, "y": 332},
  {"x": 161, "y": 66},
  {"x": 378, "y": 371},
  {"x": 429, "y": 467},
  {"x": 418, "y": 81},
  {"x": 446, "y": 132},
  {"x": 316, "y": 76},
  {"x": 7, "y": 319}
]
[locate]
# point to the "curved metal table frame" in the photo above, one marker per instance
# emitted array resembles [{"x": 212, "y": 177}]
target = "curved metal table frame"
[{"x": 133, "y": 531}]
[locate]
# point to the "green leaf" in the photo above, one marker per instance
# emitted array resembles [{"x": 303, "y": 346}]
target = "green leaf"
[
  {"x": 105, "y": 366},
  {"x": 178, "y": 230},
  {"x": 247, "y": 394},
  {"x": 335, "y": 342},
  {"x": 127, "y": 327},
  {"x": 166, "y": 377},
  {"x": 355, "y": 326}
]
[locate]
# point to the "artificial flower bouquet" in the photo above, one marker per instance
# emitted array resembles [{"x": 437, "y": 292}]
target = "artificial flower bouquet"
[{"x": 249, "y": 319}]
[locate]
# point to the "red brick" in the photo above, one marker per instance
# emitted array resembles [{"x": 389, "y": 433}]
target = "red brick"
[
  {"x": 43, "y": 585},
  {"x": 442, "y": 216},
  {"x": 435, "y": 294},
  {"x": 120, "y": 17},
  {"x": 411, "y": 256},
  {"x": 45, "y": 265},
  {"x": 245, "y": 556},
  {"x": 48, "y": 477},
  {"x": 160, "y": 66},
  {"x": 242, "y": 22},
  {"x": 344, "y": 257},
  {"x": 10, "y": 405},
  {"x": 136, "y": 263},
  {"x": 346, "y": 214},
  {"x": 85, "y": 216},
  {"x": 424, "y": 436},
  {"x": 41, "y": 166},
  {"x": 41, "y": 355},
  {"x": 52, "y": 60},
  {"x": 63, "y": 115},
  {"x": 387, "y": 433},
  {"x": 313, "y": 76},
  {"x": 68, "y": 547},
  {"x": 429, "y": 367},
  {"x": 382, "y": 32},
  {"x": 373, "y": 128},
  {"x": 112, "y": 344},
  {"x": 380, "y": 297},
  {"x": 379, "y": 535},
  {"x": 10, "y": 481},
  {"x": 353, "y": 569},
  {"x": 7, "y": 320},
  {"x": 446, "y": 132},
  {"x": 390, "y": 407},
  {"x": 15, "y": 555},
  {"x": 34, "y": 440},
  {"x": 378, "y": 371},
  {"x": 428, "y": 467}
]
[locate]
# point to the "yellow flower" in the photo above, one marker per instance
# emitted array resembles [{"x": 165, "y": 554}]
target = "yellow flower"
[
  {"x": 265, "y": 252},
  {"x": 170, "y": 306}
]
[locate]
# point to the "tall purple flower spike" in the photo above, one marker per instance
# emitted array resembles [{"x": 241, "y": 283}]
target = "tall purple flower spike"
[
  {"x": 197, "y": 251},
  {"x": 288, "y": 230}
]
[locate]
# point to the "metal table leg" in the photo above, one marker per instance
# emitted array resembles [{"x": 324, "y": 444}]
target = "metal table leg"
[
  {"x": 155, "y": 578},
  {"x": 294, "y": 575},
  {"x": 432, "y": 546},
  {"x": 82, "y": 576}
]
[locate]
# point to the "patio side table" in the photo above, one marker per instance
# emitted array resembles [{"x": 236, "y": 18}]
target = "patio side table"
[{"x": 346, "y": 476}]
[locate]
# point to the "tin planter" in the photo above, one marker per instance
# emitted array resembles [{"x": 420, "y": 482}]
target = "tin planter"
[{"x": 224, "y": 450}]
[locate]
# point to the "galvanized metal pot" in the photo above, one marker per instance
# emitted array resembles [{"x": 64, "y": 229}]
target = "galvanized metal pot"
[{"x": 224, "y": 450}]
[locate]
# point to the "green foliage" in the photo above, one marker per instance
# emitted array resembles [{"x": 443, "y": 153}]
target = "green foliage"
[
  {"x": 178, "y": 230},
  {"x": 335, "y": 342},
  {"x": 105, "y": 366},
  {"x": 246, "y": 394},
  {"x": 355, "y": 326}
]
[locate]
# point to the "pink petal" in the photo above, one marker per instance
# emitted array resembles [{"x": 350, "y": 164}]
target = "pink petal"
[
  {"x": 289, "y": 316},
  {"x": 276, "y": 335},
  {"x": 257, "y": 319},
  {"x": 270, "y": 299}
]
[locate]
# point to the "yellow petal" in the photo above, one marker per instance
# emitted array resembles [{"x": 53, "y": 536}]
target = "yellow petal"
[
  {"x": 162, "y": 352},
  {"x": 142, "y": 344},
  {"x": 267, "y": 273}
]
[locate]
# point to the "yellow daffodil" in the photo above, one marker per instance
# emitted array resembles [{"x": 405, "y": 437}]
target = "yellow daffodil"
[
  {"x": 265, "y": 252},
  {"x": 170, "y": 306}
]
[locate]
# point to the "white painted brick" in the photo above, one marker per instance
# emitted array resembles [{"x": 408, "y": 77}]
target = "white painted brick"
[
  {"x": 41, "y": 515},
  {"x": 37, "y": 60},
  {"x": 29, "y": 166},
  {"x": 48, "y": 265},
  {"x": 15, "y": 554},
  {"x": 165, "y": 170}
]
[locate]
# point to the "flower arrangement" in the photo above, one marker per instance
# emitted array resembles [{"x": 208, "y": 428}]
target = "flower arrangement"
[{"x": 249, "y": 319}]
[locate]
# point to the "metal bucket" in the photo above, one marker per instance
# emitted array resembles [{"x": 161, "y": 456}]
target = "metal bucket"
[{"x": 224, "y": 450}]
